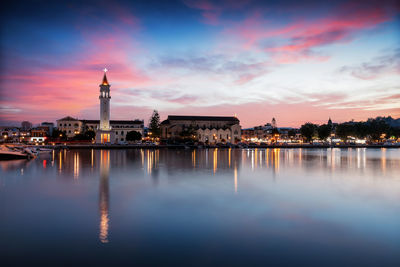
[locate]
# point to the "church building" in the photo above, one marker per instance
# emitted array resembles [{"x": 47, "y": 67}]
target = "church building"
[
  {"x": 105, "y": 134},
  {"x": 107, "y": 131}
]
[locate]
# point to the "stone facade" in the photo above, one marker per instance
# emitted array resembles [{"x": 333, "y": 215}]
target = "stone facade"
[
  {"x": 119, "y": 128},
  {"x": 70, "y": 126},
  {"x": 206, "y": 129}
]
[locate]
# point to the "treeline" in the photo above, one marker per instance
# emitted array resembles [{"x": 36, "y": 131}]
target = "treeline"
[{"x": 373, "y": 129}]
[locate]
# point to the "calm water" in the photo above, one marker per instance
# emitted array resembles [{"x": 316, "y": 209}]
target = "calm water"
[{"x": 325, "y": 207}]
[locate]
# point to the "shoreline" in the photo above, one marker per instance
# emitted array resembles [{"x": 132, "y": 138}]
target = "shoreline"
[{"x": 95, "y": 146}]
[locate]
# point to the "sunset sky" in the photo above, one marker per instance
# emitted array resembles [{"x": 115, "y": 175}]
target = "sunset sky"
[{"x": 293, "y": 61}]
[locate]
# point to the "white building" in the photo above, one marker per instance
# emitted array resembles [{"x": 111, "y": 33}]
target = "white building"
[
  {"x": 70, "y": 126},
  {"x": 119, "y": 127}
]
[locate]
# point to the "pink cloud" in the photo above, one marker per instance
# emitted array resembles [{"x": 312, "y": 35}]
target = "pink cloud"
[
  {"x": 50, "y": 92},
  {"x": 298, "y": 39}
]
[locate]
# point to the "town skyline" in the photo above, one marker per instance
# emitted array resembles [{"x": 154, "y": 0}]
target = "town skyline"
[{"x": 255, "y": 59}]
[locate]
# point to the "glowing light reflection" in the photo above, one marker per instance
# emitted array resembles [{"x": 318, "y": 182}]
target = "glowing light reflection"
[{"x": 104, "y": 195}]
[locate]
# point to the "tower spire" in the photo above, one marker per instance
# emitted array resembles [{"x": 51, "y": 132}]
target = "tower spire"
[{"x": 105, "y": 82}]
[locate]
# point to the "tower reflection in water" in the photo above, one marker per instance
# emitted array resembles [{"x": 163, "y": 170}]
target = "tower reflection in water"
[{"x": 104, "y": 195}]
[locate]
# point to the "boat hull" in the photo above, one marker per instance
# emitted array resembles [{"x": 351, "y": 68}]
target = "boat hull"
[{"x": 7, "y": 156}]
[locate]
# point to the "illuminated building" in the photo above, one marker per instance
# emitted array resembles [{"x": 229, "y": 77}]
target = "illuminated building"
[
  {"x": 38, "y": 135},
  {"x": 70, "y": 126},
  {"x": 206, "y": 129},
  {"x": 111, "y": 131},
  {"x": 107, "y": 131},
  {"x": 104, "y": 134}
]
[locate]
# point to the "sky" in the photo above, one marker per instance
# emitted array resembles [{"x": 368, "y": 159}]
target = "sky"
[{"x": 295, "y": 61}]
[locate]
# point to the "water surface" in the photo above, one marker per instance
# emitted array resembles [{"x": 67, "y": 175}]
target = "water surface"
[{"x": 221, "y": 207}]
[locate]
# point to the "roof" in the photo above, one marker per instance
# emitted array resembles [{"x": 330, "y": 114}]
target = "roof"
[
  {"x": 202, "y": 118},
  {"x": 68, "y": 118},
  {"x": 115, "y": 121},
  {"x": 105, "y": 82}
]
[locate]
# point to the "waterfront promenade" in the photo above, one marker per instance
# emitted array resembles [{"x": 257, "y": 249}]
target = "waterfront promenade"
[{"x": 182, "y": 146}]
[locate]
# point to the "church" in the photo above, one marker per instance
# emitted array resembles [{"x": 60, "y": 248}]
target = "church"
[
  {"x": 111, "y": 131},
  {"x": 107, "y": 131},
  {"x": 105, "y": 134}
]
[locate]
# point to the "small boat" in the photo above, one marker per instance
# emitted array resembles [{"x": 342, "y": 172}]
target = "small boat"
[
  {"x": 42, "y": 150},
  {"x": 7, "y": 153}
]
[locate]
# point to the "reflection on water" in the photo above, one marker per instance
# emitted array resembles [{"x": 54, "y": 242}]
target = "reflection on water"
[
  {"x": 234, "y": 204},
  {"x": 104, "y": 194},
  {"x": 236, "y": 179},
  {"x": 76, "y": 165}
]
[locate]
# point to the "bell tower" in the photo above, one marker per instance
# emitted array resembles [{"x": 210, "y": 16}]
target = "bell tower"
[
  {"x": 104, "y": 133},
  {"x": 105, "y": 104}
]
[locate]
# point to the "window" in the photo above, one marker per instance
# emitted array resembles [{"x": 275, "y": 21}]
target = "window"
[
  {"x": 60, "y": 124},
  {"x": 116, "y": 133},
  {"x": 122, "y": 132},
  {"x": 69, "y": 124},
  {"x": 65, "y": 124},
  {"x": 122, "y": 139},
  {"x": 69, "y": 131}
]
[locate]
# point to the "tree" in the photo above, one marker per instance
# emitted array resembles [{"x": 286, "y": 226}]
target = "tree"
[
  {"x": 377, "y": 127},
  {"x": 292, "y": 133},
  {"x": 154, "y": 124},
  {"x": 275, "y": 131},
  {"x": 360, "y": 129},
  {"x": 324, "y": 131},
  {"x": 344, "y": 130},
  {"x": 188, "y": 133},
  {"x": 57, "y": 134},
  {"x": 308, "y": 130},
  {"x": 133, "y": 136},
  {"x": 90, "y": 135}
]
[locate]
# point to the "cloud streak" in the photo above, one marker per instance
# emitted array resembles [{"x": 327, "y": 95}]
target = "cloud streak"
[{"x": 273, "y": 59}]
